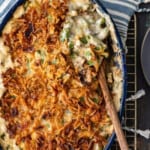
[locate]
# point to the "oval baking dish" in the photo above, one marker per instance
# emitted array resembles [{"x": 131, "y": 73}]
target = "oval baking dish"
[{"x": 8, "y": 7}]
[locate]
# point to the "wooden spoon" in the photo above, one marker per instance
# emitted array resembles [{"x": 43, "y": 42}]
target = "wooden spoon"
[{"x": 112, "y": 110}]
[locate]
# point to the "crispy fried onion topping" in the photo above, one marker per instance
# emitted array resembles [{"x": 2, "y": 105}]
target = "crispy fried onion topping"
[{"x": 46, "y": 105}]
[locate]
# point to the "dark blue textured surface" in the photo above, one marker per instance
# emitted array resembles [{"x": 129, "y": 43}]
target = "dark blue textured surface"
[{"x": 13, "y": 5}]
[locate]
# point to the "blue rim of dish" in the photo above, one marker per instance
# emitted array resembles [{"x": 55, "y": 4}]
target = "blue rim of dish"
[
  {"x": 120, "y": 45},
  {"x": 10, "y": 9}
]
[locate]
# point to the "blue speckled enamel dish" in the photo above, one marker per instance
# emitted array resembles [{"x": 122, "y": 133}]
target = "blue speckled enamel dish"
[{"x": 7, "y": 8}]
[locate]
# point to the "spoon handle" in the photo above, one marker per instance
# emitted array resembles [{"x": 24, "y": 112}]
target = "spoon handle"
[{"x": 112, "y": 110}]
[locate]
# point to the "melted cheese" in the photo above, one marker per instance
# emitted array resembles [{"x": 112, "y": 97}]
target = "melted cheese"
[
  {"x": 8, "y": 27},
  {"x": 19, "y": 12},
  {"x": 117, "y": 87},
  {"x": 5, "y": 141},
  {"x": 5, "y": 63},
  {"x": 76, "y": 4},
  {"x": 2, "y": 88}
]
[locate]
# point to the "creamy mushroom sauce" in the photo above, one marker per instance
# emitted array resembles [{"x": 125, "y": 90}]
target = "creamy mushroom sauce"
[{"x": 86, "y": 25}]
